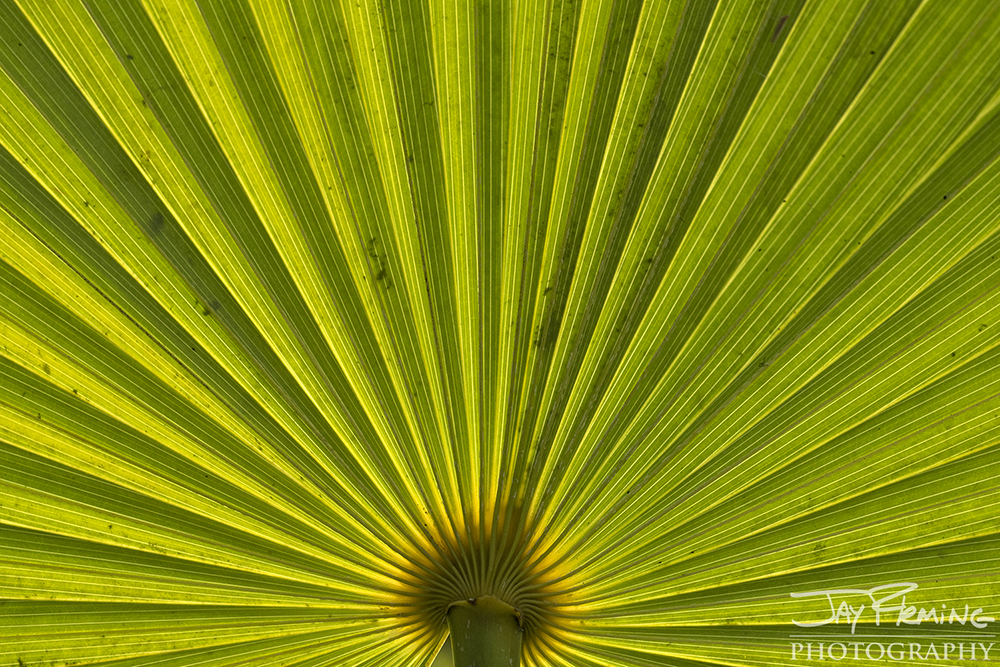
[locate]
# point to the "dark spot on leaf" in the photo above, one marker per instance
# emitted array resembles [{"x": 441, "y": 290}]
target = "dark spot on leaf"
[
  {"x": 156, "y": 223},
  {"x": 548, "y": 329},
  {"x": 777, "y": 30}
]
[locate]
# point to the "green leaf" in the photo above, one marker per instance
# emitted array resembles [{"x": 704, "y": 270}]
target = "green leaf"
[{"x": 318, "y": 319}]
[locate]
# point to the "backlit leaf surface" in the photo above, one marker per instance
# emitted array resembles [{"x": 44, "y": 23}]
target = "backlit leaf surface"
[{"x": 317, "y": 316}]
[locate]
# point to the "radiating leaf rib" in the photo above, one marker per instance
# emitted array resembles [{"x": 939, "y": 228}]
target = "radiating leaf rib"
[
  {"x": 382, "y": 399},
  {"x": 403, "y": 251},
  {"x": 49, "y": 566},
  {"x": 318, "y": 373},
  {"x": 754, "y": 367},
  {"x": 71, "y": 631},
  {"x": 172, "y": 240},
  {"x": 318, "y": 317},
  {"x": 197, "y": 533}
]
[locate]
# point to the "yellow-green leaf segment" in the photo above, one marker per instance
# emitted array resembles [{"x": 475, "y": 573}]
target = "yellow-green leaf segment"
[{"x": 599, "y": 326}]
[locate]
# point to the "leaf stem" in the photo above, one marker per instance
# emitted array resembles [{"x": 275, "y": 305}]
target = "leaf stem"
[{"x": 485, "y": 632}]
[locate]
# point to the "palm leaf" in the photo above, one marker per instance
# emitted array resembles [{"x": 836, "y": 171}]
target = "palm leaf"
[{"x": 318, "y": 317}]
